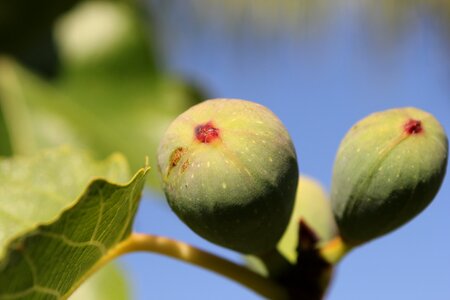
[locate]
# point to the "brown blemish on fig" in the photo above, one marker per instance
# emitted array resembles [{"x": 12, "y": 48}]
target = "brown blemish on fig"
[
  {"x": 185, "y": 165},
  {"x": 175, "y": 158},
  {"x": 413, "y": 126}
]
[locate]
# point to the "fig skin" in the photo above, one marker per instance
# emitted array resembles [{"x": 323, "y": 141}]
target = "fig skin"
[
  {"x": 229, "y": 171},
  {"x": 388, "y": 168}
]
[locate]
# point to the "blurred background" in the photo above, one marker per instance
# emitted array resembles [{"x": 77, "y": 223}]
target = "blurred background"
[{"x": 110, "y": 76}]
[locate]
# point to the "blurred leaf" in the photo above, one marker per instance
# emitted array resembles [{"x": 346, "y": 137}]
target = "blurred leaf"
[
  {"x": 52, "y": 232},
  {"x": 30, "y": 109},
  {"x": 109, "y": 84},
  {"x": 106, "y": 39},
  {"x": 109, "y": 283},
  {"x": 32, "y": 42}
]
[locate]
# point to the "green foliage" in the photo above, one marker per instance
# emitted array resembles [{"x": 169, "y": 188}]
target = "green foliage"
[
  {"x": 103, "y": 91},
  {"x": 389, "y": 167},
  {"x": 101, "y": 39},
  {"x": 106, "y": 85},
  {"x": 58, "y": 219},
  {"x": 237, "y": 189}
]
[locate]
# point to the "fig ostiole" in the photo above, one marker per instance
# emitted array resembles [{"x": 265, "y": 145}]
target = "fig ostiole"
[
  {"x": 388, "y": 168},
  {"x": 229, "y": 172}
]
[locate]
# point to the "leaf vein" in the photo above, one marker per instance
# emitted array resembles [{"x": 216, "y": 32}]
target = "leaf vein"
[
  {"x": 72, "y": 243},
  {"x": 34, "y": 288},
  {"x": 30, "y": 263},
  {"x": 100, "y": 215}
]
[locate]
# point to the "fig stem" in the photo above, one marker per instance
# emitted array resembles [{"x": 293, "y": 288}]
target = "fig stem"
[
  {"x": 138, "y": 242},
  {"x": 276, "y": 263},
  {"x": 335, "y": 250}
]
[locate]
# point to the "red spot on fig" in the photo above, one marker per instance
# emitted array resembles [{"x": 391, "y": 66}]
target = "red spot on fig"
[
  {"x": 413, "y": 126},
  {"x": 206, "y": 133}
]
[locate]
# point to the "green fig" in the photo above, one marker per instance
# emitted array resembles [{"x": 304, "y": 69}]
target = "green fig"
[
  {"x": 312, "y": 205},
  {"x": 229, "y": 171},
  {"x": 389, "y": 167}
]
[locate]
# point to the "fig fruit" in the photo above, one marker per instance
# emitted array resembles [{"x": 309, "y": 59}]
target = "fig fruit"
[
  {"x": 312, "y": 205},
  {"x": 229, "y": 171},
  {"x": 388, "y": 168}
]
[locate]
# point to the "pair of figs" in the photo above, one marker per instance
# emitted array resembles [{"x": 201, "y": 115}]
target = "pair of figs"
[{"x": 229, "y": 171}]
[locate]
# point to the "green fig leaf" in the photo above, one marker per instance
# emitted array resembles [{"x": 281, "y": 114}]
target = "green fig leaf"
[
  {"x": 60, "y": 212},
  {"x": 108, "y": 283},
  {"x": 34, "y": 112}
]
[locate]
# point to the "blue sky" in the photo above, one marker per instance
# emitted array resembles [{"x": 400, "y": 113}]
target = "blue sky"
[{"x": 319, "y": 82}]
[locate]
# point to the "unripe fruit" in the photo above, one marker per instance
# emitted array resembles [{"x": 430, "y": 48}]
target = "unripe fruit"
[
  {"x": 389, "y": 167},
  {"x": 312, "y": 205},
  {"x": 230, "y": 173}
]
